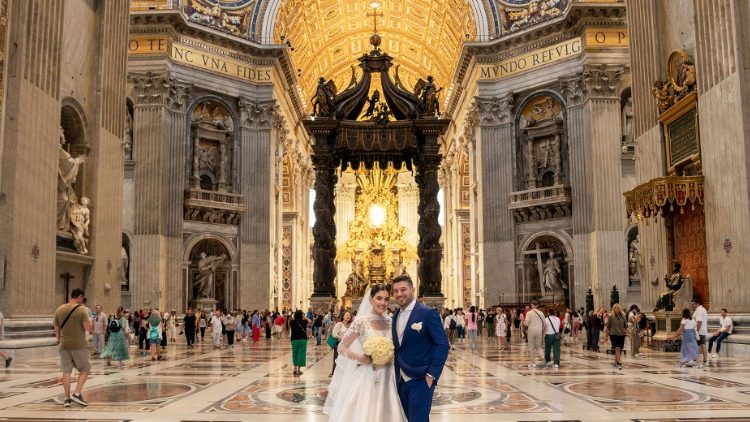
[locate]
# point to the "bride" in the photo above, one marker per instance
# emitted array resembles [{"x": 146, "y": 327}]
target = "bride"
[{"x": 359, "y": 391}]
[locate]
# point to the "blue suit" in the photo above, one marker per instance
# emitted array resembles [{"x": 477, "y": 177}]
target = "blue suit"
[{"x": 421, "y": 352}]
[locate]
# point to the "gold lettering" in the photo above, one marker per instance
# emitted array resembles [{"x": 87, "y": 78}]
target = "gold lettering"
[
  {"x": 530, "y": 60},
  {"x": 606, "y": 38}
]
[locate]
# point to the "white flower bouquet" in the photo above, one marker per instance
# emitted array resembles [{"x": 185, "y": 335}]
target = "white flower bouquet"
[{"x": 379, "y": 349}]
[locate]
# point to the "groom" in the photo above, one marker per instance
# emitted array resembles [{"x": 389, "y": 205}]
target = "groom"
[{"x": 421, "y": 350}]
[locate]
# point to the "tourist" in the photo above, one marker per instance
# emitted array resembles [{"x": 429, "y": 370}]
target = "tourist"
[
  {"x": 278, "y": 325},
  {"x": 689, "y": 351},
  {"x": 188, "y": 322},
  {"x": 143, "y": 343},
  {"x": 299, "y": 341},
  {"x": 552, "y": 336},
  {"x": 268, "y": 321},
  {"x": 318, "y": 328},
  {"x": 516, "y": 317},
  {"x": 460, "y": 326},
  {"x": 230, "y": 325},
  {"x": 71, "y": 323},
  {"x": 724, "y": 331},
  {"x": 535, "y": 325},
  {"x": 595, "y": 322},
  {"x": 700, "y": 315},
  {"x": 449, "y": 325},
  {"x": 481, "y": 316},
  {"x": 490, "y": 321},
  {"x": 117, "y": 346},
  {"x": 501, "y": 329},
  {"x": 524, "y": 327},
  {"x": 202, "y": 325},
  {"x": 577, "y": 323},
  {"x": 173, "y": 325},
  {"x": 635, "y": 333},
  {"x": 164, "y": 327},
  {"x": 3, "y": 355},
  {"x": 567, "y": 325},
  {"x": 508, "y": 329},
  {"x": 338, "y": 333},
  {"x": 256, "y": 325},
  {"x": 100, "y": 329},
  {"x": 155, "y": 333},
  {"x": 472, "y": 321},
  {"x": 217, "y": 326},
  {"x": 617, "y": 328}
]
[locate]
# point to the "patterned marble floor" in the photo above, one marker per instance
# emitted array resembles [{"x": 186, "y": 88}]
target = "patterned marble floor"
[{"x": 253, "y": 381}]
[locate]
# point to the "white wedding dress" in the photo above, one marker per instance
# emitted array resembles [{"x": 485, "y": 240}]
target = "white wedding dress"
[{"x": 363, "y": 393}]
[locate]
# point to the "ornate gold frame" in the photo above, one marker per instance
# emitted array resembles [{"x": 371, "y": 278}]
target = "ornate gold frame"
[{"x": 680, "y": 109}]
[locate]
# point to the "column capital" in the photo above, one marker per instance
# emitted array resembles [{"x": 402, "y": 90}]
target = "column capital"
[
  {"x": 494, "y": 111},
  {"x": 259, "y": 115},
  {"x": 595, "y": 81},
  {"x": 160, "y": 89}
]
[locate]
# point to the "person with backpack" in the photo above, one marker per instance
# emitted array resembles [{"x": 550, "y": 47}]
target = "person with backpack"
[
  {"x": 155, "y": 329},
  {"x": 449, "y": 325},
  {"x": 117, "y": 347},
  {"x": 71, "y": 323}
]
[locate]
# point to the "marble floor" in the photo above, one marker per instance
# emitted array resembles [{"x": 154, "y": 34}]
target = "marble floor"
[{"x": 253, "y": 382}]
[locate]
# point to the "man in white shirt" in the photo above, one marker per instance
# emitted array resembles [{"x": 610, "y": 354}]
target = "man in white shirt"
[
  {"x": 535, "y": 326},
  {"x": 100, "y": 329},
  {"x": 700, "y": 315},
  {"x": 216, "y": 329},
  {"x": 721, "y": 334}
]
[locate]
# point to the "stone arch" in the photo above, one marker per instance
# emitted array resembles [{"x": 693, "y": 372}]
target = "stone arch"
[
  {"x": 73, "y": 122},
  {"x": 532, "y": 259},
  {"x": 224, "y": 285},
  {"x": 191, "y": 242},
  {"x": 482, "y": 18}
]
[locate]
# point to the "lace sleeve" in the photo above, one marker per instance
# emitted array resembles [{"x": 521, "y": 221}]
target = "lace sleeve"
[{"x": 352, "y": 334}]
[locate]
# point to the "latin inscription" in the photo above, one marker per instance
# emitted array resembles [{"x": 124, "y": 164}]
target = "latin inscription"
[
  {"x": 528, "y": 61},
  {"x": 605, "y": 38},
  {"x": 683, "y": 141}
]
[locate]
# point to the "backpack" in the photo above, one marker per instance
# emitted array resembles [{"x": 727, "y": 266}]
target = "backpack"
[
  {"x": 114, "y": 326},
  {"x": 153, "y": 333},
  {"x": 452, "y": 324}
]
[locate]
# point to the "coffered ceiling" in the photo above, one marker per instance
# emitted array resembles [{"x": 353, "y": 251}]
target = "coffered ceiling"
[{"x": 328, "y": 36}]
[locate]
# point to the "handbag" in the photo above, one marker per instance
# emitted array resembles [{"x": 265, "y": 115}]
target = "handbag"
[
  {"x": 331, "y": 341},
  {"x": 558, "y": 334}
]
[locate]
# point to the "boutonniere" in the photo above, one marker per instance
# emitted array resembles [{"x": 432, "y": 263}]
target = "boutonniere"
[{"x": 417, "y": 326}]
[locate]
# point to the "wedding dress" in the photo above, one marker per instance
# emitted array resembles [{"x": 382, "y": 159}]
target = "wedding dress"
[{"x": 363, "y": 393}]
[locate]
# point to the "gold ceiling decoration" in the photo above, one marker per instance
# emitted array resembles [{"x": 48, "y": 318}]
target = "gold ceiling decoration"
[
  {"x": 423, "y": 36},
  {"x": 663, "y": 194}
]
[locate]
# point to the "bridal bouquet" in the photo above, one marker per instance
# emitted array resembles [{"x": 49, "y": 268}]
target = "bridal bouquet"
[{"x": 380, "y": 349}]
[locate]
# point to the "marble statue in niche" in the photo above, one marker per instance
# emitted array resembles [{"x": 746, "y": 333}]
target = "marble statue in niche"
[
  {"x": 123, "y": 269},
  {"x": 627, "y": 122},
  {"x": 68, "y": 168},
  {"x": 211, "y": 127},
  {"x": 540, "y": 144},
  {"x": 80, "y": 217},
  {"x": 552, "y": 280},
  {"x": 204, "y": 281},
  {"x": 127, "y": 137},
  {"x": 634, "y": 259}
]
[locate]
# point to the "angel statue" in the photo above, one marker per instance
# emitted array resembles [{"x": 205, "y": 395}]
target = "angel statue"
[
  {"x": 372, "y": 104},
  {"x": 428, "y": 93},
  {"x": 204, "y": 281},
  {"x": 323, "y": 99}
]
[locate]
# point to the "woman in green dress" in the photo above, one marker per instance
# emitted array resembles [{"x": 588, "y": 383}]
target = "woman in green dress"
[
  {"x": 117, "y": 347},
  {"x": 299, "y": 341}
]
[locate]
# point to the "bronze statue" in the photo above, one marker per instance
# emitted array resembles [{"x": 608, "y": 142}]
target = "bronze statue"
[
  {"x": 372, "y": 104},
  {"x": 674, "y": 284},
  {"x": 356, "y": 283},
  {"x": 322, "y": 101},
  {"x": 428, "y": 94}
]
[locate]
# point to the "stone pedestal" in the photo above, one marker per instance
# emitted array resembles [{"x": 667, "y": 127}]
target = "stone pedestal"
[
  {"x": 206, "y": 305},
  {"x": 324, "y": 303},
  {"x": 355, "y": 304},
  {"x": 666, "y": 324},
  {"x": 433, "y": 301}
]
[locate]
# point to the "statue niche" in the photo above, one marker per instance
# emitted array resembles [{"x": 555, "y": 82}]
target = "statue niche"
[
  {"x": 209, "y": 272},
  {"x": 211, "y": 132},
  {"x": 545, "y": 270},
  {"x": 540, "y": 147}
]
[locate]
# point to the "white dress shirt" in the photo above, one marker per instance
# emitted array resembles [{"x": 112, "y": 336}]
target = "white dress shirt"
[{"x": 401, "y": 321}]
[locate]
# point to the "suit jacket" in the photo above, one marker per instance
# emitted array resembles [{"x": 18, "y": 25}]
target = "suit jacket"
[{"x": 422, "y": 351}]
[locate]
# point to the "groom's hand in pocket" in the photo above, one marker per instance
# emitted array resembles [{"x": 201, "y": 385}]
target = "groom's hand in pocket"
[{"x": 429, "y": 381}]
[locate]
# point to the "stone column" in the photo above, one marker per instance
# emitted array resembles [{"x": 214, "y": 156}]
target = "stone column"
[
  {"x": 495, "y": 233},
  {"x": 600, "y": 248},
  {"x": 160, "y": 127},
  {"x": 324, "y": 231},
  {"x": 255, "y": 179}
]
